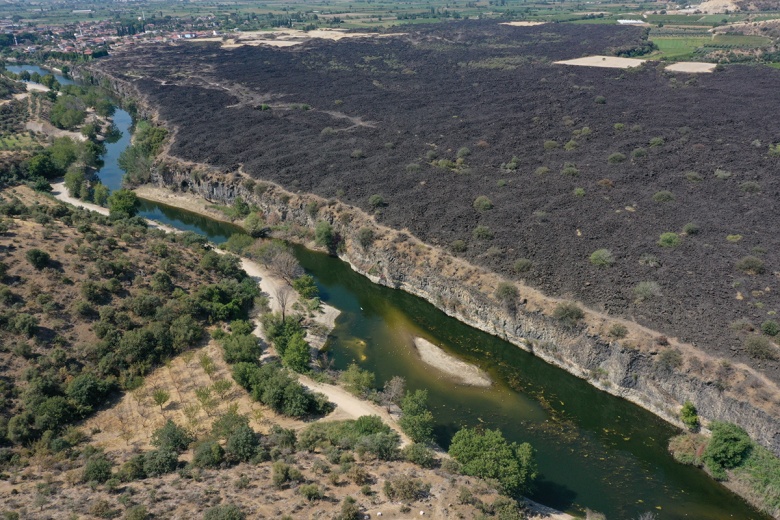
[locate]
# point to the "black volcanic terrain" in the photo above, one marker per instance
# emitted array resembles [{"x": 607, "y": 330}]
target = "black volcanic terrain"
[{"x": 572, "y": 159}]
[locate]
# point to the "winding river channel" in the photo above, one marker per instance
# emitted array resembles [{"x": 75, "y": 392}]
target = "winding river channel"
[{"x": 594, "y": 450}]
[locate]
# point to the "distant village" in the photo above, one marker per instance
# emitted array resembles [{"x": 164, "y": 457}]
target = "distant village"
[{"x": 90, "y": 38}]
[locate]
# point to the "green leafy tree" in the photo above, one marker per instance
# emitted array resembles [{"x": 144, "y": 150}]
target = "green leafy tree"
[
  {"x": 297, "y": 354},
  {"x": 357, "y": 381},
  {"x": 208, "y": 454},
  {"x": 224, "y": 512},
  {"x": 727, "y": 448},
  {"x": 488, "y": 455},
  {"x": 123, "y": 204},
  {"x": 242, "y": 444},
  {"x": 97, "y": 469},
  {"x": 160, "y": 397},
  {"x": 160, "y": 462},
  {"x": 171, "y": 436},
  {"x": 100, "y": 194},
  {"x": 41, "y": 165},
  {"x": 306, "y": 287},
  {"x": 416, "y": 420},
  {"x": 689, "y": 416},
  {"x": 38, "y": 258},
  {"x": 324, "y": 235},
  {"x": 74, "y": 180}
]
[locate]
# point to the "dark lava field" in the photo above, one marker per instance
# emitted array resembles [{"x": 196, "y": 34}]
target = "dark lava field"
[{"x": 572, "y": 159}]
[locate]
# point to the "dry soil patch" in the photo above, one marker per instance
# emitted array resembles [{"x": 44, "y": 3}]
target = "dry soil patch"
[
  {"x": 461, "y": 371},
  {"x": 691, "y": 66},
  {"x": 610, "y": 62}
]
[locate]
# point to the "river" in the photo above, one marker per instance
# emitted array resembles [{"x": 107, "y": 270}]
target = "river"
[{"x": 594, "y": 450}]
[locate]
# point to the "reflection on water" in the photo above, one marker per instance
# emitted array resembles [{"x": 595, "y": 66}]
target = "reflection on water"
[{"x": 594, "y": 450}]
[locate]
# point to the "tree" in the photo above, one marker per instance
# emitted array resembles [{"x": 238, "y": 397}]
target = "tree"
[
  {"x": 159, "y": 462},
  {"x": 357, "y": 381},
  {"x": 297, "y": 354},
  {"x": 100, "y": 193},
  {"x": 171, "y": 436},
  {"x": 285, "y": 266},
  {"x": 689, "y": 416},
  {"x": 488, "y": 455},
  {"x": 37, "y": 258},
  {"x": 87, "y": 391},
  {"x": 41, "y": 165},
  {"x": 324, "y": 235},
  {"x": 727, "y": 448},
  {"x": 417, "y": 419},
  {"x": 393, "y": 391},
  {"x": 255, "y": 225},
  {"x": 74, "y": 179},
  {"x": 160, "y": 397},
  {"x": 242, "y": 444},
  {"x": 208, "y": 454},
  {"x": 97, "y": 469},
  {"x": 123, "y": 204},
  {"x": 283, "y": 295},
  {"x": 306, "y": 287}
]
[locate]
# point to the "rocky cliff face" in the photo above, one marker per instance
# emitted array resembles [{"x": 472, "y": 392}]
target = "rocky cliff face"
[{"x": 640, "y": 368}]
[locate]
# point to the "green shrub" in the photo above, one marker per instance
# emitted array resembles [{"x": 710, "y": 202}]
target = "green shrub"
[
  {"x": 37, "y": 258},
  {"x": 691, "y": 228},
  {"x": 750, "y": 265},
  {"x": 570, "y": 169},
  {"x": 349, "y": 510},
  {"x": 774, "y": 150},
  {"x": 171, "y": 436},
  {"x": 324, "y": 235},
  {"x": 770, "y": 328},
  {"x": 728, "y": 447},
  {"x": 376, "y": 201},
  {"x": 669, "y": 240},
  {"x": 282, "y": 473},
  {"x": 482, "y": 203},
  {"x": 618, "y": 331},
  {"x": 750, "y": 187},
  {"x": 638, "y": 153},
  {"x": 463, "y": 152},
  {"x": 542, "y": 170},
  {"x": 482, "y": 233},
  {"x": 523, "y": 265},
  {"x": 602, "y": 258},
  {"x": 571, "y": 145},
  {"x": 619, "y": 127},
  {"x": 689, "y": 416},
  {"x": 419, "y": 454},
  {"x": 224, "y": 512},
  {"x": 600, "y": 100},
  {"x": 160, "y": 462},
  {"x": 579, "y": 192},
  {"x": 458, "y": 246},
  {"x": 137, "y": 512},
  {"x": 568, "y": 313},
  {"x": 760, "y": 347},
  {"x": 646, "y": 290},
  {"x": 616, "y": 157},
  {"x": 722, "y": 174},
  {"x": 669, "y": 360},
  {"x": 550, "y": 145},
  {"x": 311, "y": 492},
  {"x": 406, "y": 489},
  {"x": 656, "y": 141},
  {"x": 663, "y": 196},
  {"x": 97, "y": 469},
  {"x": 507, "y": 292},
  {"x": 694, "y": 176},
  {"x": 365, "y": 237},
  {"x": 208, "y": 454}
]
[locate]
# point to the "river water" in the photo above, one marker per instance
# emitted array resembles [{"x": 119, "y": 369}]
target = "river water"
[{"x": 594, "y": 450}]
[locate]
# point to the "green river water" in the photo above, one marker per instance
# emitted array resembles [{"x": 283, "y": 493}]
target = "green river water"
[{"x": 594, "y": 450}]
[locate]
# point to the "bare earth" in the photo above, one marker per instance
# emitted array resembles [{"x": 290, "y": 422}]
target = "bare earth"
[
  {"x": 289, "y": 37},
  {"x": 523, "y": 24},
  {"x": 459, "y": 370},
  {"x": 691, "y": 66},
  {"x": 610, "y": 62},
  {"x": 49, "y": 129}
]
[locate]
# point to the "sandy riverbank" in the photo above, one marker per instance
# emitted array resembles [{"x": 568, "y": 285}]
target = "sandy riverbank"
[{"x": 453, "y": 367}]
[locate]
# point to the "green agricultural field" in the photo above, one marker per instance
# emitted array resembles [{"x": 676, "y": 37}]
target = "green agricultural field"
[{"x": 17, "y": 142}]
